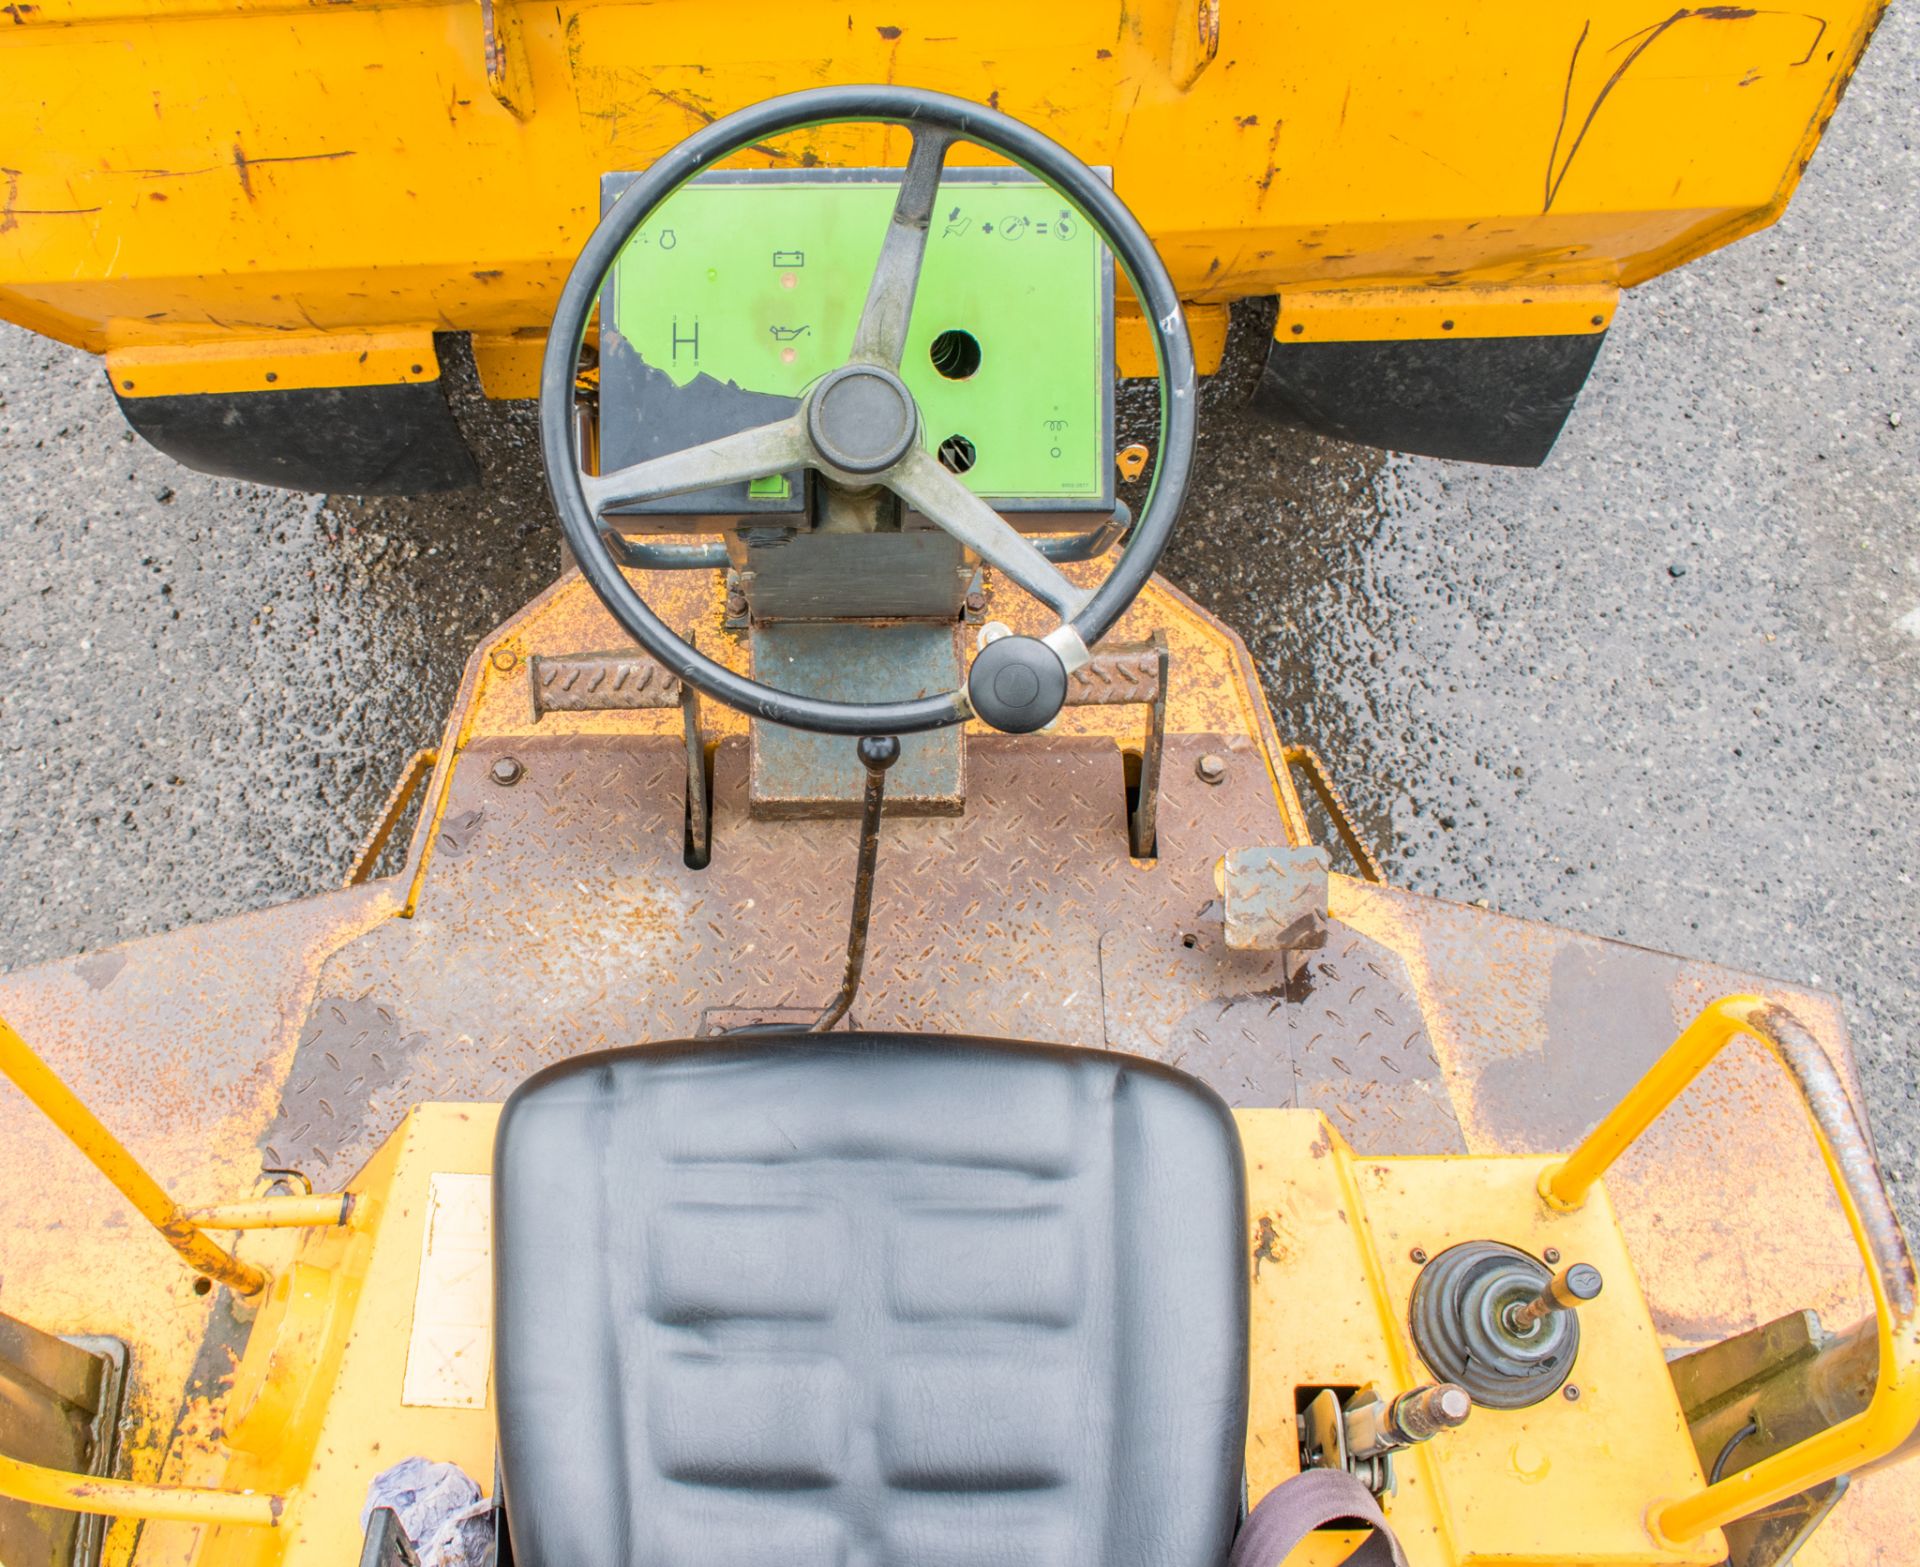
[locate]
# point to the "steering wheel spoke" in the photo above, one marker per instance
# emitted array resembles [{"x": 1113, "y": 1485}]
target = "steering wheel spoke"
[
  {"x": 758, "y": 453},
  {"x": 881, "y": 337},
  {"x": 945, "y": 501}
]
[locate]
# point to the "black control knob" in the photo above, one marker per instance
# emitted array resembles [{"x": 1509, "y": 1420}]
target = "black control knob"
[{"x": 1017, "y": 684}]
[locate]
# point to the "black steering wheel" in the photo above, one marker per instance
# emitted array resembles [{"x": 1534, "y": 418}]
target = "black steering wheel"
[{"x": 858, "y": 425}]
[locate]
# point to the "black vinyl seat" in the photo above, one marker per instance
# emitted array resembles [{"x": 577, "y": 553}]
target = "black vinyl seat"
[{"x": 869, "y": 1299}]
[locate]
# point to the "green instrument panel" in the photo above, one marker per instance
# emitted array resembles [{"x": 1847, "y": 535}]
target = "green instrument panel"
[{"x": 744, "y": 287}]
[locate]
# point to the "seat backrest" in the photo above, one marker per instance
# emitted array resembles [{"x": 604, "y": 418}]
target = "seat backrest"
[{"x": 868, "y": 1299}]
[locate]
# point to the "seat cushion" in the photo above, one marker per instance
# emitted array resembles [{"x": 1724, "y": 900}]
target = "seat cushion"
[{"x": 869, "y": 1299}]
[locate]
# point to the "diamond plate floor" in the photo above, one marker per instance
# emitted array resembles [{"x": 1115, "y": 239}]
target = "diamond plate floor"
[{"x": 558, "y": 917}]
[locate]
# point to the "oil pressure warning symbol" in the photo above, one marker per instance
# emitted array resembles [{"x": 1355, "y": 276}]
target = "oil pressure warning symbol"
[{"x": 786, "y": 336}]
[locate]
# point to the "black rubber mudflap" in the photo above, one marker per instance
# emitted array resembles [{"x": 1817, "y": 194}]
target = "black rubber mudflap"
[
  {"x": 352, "y": 440},
  {"x": 1478, "y": 399}
]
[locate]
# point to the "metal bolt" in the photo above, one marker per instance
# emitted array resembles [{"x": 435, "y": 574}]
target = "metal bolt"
[
  {"x": 976, "y": 603},
  {"x": 507, "y": 772},
  {"x": 736, "y": 604},
  {"x": 1418, "y": 1254},
  {"x": 1212, "y": 769},
  {"x": 1570, "y": 1393},
  {"x": 503, "y": 658},
  {"x": 1551, "y": 1254}
]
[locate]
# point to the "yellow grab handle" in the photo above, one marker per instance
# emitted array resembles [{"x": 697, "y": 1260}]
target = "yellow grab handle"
[
  {"x": 1894, "y": 1410},
  {"x": 74, "y": 1493},
  {"x": 81, "y": 1127}
]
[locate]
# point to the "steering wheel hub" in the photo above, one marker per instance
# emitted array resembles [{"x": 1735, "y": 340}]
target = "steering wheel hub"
[{"x": 861, "y": 419}]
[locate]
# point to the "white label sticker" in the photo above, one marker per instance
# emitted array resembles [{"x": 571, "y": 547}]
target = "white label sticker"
[{"x": 451, "y": 1349}]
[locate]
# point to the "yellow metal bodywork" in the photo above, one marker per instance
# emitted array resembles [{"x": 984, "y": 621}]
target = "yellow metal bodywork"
[
  {"x": 190, "y": 1075},
  {"x": 1893, "y": 1413},
  {"x": 1566, "y": 1481},
  {"x": 202, "y": 1049},
  {"x": 1605, "y": 1474},
  {"x": 320, "y": 1402},
  {"x": 284, "y": 181},
  {"x": 318, "y": 1405}
]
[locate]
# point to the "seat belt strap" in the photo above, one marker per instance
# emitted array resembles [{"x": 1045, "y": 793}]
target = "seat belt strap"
[{"x": 1311, "y": 1500}]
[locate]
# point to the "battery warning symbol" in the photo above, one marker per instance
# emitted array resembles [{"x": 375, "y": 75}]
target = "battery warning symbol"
[{"x": 789, "y": 258}]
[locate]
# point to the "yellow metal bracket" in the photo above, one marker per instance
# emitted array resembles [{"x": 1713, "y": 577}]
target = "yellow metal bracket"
[
  {"x": 1133, "y": 344},
  {"x": 509, "y": 78},
  {"x": 1387, "y": 313},
  {"x": 288, "y": 362},
  {"x": 419, "y": 765},
  {"x": 1307, "y": 760},
  {"x": 1894, "y": 1411},
  {"x": 1196, "y": 40}
]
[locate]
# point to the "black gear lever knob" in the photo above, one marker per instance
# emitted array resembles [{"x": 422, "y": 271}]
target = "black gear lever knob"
[{"x": 1017, "y": 684}]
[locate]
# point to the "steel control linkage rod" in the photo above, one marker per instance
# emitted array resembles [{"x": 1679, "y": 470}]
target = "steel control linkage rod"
[{"x": 877, "y": 754}]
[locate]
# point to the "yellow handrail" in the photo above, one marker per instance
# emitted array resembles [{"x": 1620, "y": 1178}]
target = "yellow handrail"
[
  {"x": 297, "y": 1211},
  {"x": 34, "y": 1078},
  {"x": 39, "y": 1487},
  {"x": 1894, "y": 1410}
]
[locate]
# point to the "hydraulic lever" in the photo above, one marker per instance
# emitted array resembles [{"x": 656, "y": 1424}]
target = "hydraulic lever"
[{"x": 877, "y": 754}]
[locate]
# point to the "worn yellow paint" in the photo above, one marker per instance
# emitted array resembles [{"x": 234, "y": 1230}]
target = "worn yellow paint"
[
  {"x": 319, "y": 1402},
  {"x": 189, "y": 1077},
  {"x": 286, "y": 364},
  {"x": 111, "y": 1157},
  {"x": 1893, "y": 1413},
  {"x": 305, "y": 1210},
  {"x": 1564, "y": 1482},
  {"x": 509, "y": 362},
  {"x": 1355, "y": 315},
  {"x": 1133, "y": 343},
  {"x": 43, "y": 1487},
  {"x": 318, "y": 1406},
  {"x": 189, "y": 171}
]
